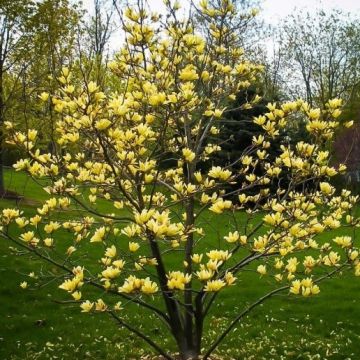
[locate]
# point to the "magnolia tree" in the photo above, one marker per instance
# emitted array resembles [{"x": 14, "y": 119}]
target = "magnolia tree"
[{"x": 145, "y": 218}]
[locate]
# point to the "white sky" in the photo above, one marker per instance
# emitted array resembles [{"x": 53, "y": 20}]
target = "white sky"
[
  {"x": 274, "y": 10},
  {"x": 271, "y": 10}
]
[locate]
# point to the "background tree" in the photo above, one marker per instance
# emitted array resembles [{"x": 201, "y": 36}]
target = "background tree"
[
  {"x": 93, "y": 42},
  {"x": 14, "y": 48},
  {"x": 347, "y": 151},
  {"x": 248, "y": 28},
  {"x": 272, "y": 82},
  {"x": 236, "y": 134},
  {"x": 37, "y": 41},
  {"x": 55, "y": 26},
  {"x": 321, "y": 51}
]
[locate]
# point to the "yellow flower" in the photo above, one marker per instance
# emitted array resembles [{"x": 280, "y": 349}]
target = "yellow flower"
[
  {"x": 110, "y": 273},
  {"x": 127, "y": 287},
  {"x": 309, "y": 262},
  {"x": 29, "y": 237},
  {"x": 188, "y": 74},
  {"x": 273, "y": 219},
  {"x": 48, "y": 242},
  {"x": 44, "y": 96},
  {"x": 354, "y": 255},
  {"x": 106, "y": 261},
  {"x": 196, "y": 258},
  {"x": 213, "y": 264},
  {"x": 243, "y": 239},
  {"x": 261, "y": 269},
  {"x": 52, "y": 226},
  {"x": 205, "y": 76},
  {"x": 133, "y": 246},
  {"x": 218, "y": 113},
  {"x": 69, "y": 89},
  {"x": 9, "y": 214},
  {"x": 76, "y": 295},
  {"x": 315, "y": 290},
  {"x": 118, "y": 204},
  {"x": 214, "y": 285},
  {"x": 110, "y": 251},
  {"x": 117, "y": 306},
  {"x": 204, "y": 274},
  {"x": 24, "y": 285},
  {"x": 307, "y": 282},
  {"x": 188, "y": 154},
  {"x": 102, "y": 124},
  {"x": 314, "y": 114},
  {"x": 21, "y": 222},
  {"x": 32, "y": 134},
  {"x": 334, "y": 103},
  {"x": 175, "y": 244},
  {"x": 217, "y": 172},
  {"x": 232, "y": 237},
  {"x": 70, "y": 250},
  {"x": 149, "y": 287},
  {"x": 230, "y": 278},
  {"x": 357, "y": 269},
  {"x": 99, "y": 235},
  {"x": 219, "y": 255},
  {"x": 70, "y": 285},
  {"x": 336, "y": 113},
  {"x": 292, "y": 264},
  {"x": 142, "y": 218},
  {"x": 100, "y": 305},
  {"x": 86, "y": 306},
  {"x": 35, "y": 220},
  {"x": 220, "y": 205},
  {"x": 65, "y": 71},
  {"x": 332, "y": 259},
  {"x": 326, "y": 188},
  {"x": 343, "y": 241},
  {"x": 295, "y": 287},
  {"x": 92, "y": 87},
  {"x": 342, "y": 167},
  {"x": 251, "y": 177},
  {"x": 254, "y": 12},
  {"x": 177, "y": 280},
  {"x": 198, "y": 176},
  {"x": 158, "y": 99}
]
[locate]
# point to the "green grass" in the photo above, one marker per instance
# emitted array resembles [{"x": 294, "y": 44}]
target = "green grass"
[{"x": 34, "y": 326}]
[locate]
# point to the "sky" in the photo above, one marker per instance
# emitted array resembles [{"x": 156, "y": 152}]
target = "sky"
[
  {"x": 275, "y": 10},
  {"x": 272, "y": 11}
]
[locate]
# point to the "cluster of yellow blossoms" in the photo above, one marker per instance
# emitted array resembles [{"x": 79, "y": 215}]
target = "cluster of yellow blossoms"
[{"x": 134, "y": 152}]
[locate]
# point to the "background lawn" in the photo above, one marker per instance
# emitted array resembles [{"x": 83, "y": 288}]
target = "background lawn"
[{"x": 34, "y": 326}]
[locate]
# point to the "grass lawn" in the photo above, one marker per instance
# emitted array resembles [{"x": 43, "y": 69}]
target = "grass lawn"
[{"x": 34, "y": 326}]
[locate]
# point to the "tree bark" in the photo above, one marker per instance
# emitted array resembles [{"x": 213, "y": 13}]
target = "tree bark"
[
  {"x": 190, "y": 354},
  {"x": 2, "y": 110},
  {"x": 2, "y": 183}
]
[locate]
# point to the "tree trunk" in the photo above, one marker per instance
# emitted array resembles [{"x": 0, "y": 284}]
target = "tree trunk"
[
  {"x": 2, "y": 110},
  {"x": 2, "y": 184},
  {"x": 189, "y": 354}
]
